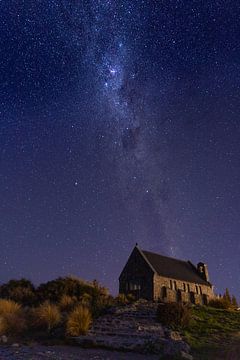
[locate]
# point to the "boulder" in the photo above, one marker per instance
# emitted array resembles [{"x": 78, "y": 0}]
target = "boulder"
[
  {"x": 174, "y": 335},
  {"x": 174, "y": 348},
  {"x": 4, "y": 339},
  {"x": 186, "y": 356}
]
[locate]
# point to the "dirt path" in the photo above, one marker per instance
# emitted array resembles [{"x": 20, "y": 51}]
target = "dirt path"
[{"x": 66, "y": 353}]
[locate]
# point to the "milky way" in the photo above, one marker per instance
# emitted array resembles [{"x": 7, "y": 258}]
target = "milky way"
[{"x": 119, "y": 124}]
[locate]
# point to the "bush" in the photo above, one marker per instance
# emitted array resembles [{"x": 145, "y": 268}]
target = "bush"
[
  {"x": 219, "y": 303},
  {"x": 54, "y": 290},
  {"x": 174, "y": 315},
  {"x": 131, "y": 298},
  {"x": 21, "y": 291},
  {"x": 121, "y": 299},
  {"x": 12, "y": 320},
  {"x": 79, "y": 321},
  {"x": 86, "y": 299},
  {"x": 67, "y": 302},
  {"x": 99, "y": 304},
  {"x": 48, "y": 315}
]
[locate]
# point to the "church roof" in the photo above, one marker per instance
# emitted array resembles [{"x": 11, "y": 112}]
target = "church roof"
[{"x": 173, "y": 268}]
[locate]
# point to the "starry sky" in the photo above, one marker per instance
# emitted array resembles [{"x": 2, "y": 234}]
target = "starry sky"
[{"x": 119, "y": 123}]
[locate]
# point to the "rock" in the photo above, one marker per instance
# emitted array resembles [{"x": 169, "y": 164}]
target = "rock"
[
  {"x": 186, "y": 356},
  {"x": 174, "y": 348},
  {"x": 16, "y": 345},
  {"x": 4, "y": 339},
  {"x": 135, "y": 328},
  {"x": 174, "y": 335}
]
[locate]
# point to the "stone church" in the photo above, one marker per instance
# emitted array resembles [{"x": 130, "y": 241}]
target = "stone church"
[{"x": 152, "y": 276}]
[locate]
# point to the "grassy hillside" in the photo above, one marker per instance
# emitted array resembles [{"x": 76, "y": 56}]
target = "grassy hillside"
[{"x": 214, "y": 334}]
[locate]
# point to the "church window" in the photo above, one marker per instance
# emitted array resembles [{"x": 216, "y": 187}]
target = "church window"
[
  {"x": 188, "y": 287},
  {"x": 163, "y": 292},
  {"x": 184, "y": 287},
  {"x": 171, "y": 284},
  {"x": 134, "y": 286}
]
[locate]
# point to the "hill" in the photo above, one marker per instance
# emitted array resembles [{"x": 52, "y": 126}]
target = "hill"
[{"x": 214, "y": 334}]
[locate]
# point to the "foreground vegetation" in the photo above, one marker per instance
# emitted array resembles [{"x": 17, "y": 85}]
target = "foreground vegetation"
[
  {"x": 54, "y": 311},
  {"x": 214, "y": 333}
]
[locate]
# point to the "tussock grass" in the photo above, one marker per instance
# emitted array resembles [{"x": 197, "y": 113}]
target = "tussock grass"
[
  {"x": 12, "y": 319},
  {"x": 47, "y": 315},
  {"x": 67, "y": 302},
  {"x": 79, "y": 321}
]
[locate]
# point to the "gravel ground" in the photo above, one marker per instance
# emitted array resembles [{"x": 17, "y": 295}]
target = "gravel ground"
[{"x": 66, "y": 353}]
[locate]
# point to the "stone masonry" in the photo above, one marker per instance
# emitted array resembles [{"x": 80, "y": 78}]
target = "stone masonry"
[{"x": 133, "y": 328}]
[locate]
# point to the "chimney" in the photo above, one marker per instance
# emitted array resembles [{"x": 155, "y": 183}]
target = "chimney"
[{"x": 203, "y": 271}]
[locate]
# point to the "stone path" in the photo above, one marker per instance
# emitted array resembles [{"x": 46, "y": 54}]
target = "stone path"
[
  {"x": 66, "y": 353},
  {"x": 133, "y": 328}
]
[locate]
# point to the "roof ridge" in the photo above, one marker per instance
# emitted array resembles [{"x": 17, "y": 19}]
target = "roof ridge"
[{"x": 168, "y": 257}]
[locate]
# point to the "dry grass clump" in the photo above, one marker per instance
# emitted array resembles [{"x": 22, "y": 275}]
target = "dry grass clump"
[
  {"x": 67, "y": 302},
  {"x": 12, "y": 319},
  {"x": 86, "y": 300},
  {"x": 79, "y": 321},
  {"x": 47, "y": 315},
  {"x": 9, "y": 306}
]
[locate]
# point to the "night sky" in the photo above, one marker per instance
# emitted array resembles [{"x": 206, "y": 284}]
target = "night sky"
[{"x": 119, "y": 123}]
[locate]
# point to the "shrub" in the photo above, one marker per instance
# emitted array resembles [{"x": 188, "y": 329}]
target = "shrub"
[
  {"x": 234, "y": 302},
  {"x": 130, "y": 298},
  {"x": 67, "y": 302},
  {"x": 86, "y": 299},
  {"x": 79, "y": 321},
  {"x": 100, "y": 304},
  {"x": 121, "y": 299},
  {"x": 48, "y": 315},
  {"x": 54, "y": 290},
  {"x": 21, "y": 291},
  {"x": 219, "y": 303},
  {"x": 174, "y": 315},
  {"x": 12, "y": 320}
]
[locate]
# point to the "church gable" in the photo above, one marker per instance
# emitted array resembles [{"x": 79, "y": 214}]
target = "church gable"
[{"x": 137, "y": 276}]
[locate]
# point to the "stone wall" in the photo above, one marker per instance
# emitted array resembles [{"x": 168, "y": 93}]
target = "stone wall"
[{"x": 171, "y": 290}]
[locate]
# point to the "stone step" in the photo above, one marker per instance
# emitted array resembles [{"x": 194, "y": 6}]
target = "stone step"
[
  {"x": 128, "y": 329},
  {"x": 128, "y": 317},
  {"x": 123, "y": 334},
  {"x": 115, "y": 342}
]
